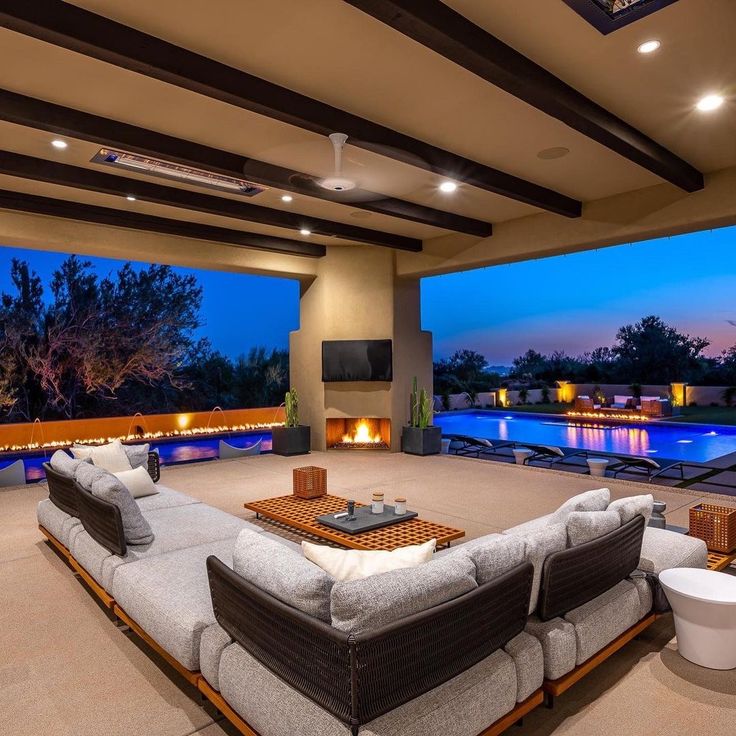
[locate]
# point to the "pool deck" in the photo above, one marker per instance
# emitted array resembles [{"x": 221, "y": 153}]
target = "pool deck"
[{"x": 63, "y": 661}]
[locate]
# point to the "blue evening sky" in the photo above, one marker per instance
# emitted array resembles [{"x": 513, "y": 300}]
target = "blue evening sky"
[
  {"x": 572, "y": 303},
  {"x": 577, "y": 302}
]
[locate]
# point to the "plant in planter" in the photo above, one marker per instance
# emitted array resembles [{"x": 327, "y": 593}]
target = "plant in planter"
[
  {"x": 420, "y": 437},
  {"x": 293, "y": 438}
]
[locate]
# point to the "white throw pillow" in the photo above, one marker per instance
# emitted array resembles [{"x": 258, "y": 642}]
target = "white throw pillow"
[
  {"x": 137, "y": 481},
  {"x": 111, "y": 457},
  {"x": 597, "y": 500},
  {"x": 354, "y": 564},
  {"x": 628, "y": 508}
]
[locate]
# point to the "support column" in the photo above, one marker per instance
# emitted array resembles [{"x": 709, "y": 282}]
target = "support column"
[{"x": 356, "y": 295}]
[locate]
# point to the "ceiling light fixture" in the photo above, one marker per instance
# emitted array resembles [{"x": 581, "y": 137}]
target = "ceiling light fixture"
[
  {"x": 130, "y": 198},
  {"x": 58, "y": 143},
  {"x": 287, "y": 198},
  {"x": 548, "y": 154},
  {"x": 304, "y": 231},
  {"x": 709, "y": 102},
  {"x": 649, "y": 47},
  {"x": 448, "y": 187}
]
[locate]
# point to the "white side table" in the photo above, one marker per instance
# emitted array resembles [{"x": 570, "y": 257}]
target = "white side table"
[
  {"x": 704, "y": 606},
  {"x": 598, "y": 466},
  {"x": 522, "y": 454}
]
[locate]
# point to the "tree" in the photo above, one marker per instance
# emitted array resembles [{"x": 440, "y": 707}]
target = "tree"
[{"x": 655, "y": 352}]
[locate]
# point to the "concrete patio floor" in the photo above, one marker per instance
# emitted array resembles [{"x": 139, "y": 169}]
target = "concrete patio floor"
[{"x": 65, "y": 669}]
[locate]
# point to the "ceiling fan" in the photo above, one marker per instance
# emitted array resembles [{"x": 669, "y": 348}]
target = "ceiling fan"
[{"x": 337, "y": 182}]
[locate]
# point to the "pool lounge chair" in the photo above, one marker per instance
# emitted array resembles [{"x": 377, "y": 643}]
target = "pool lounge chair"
[
  {"x": 633, "y": 464},
  {"x": 543, "y": 453},
  {"x": 467, "y": 446}
]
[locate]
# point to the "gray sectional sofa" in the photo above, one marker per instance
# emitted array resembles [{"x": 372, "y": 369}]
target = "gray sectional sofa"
[{"x": 462, "y": 645}]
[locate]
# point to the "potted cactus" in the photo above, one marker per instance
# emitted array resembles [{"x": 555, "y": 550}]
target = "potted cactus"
[
  {"x": 420, "y": 437},
  {"x": 293, "y": 438}
]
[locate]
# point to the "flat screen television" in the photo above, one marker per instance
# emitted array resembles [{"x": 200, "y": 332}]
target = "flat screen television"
[{"x": 356, "y": 360}]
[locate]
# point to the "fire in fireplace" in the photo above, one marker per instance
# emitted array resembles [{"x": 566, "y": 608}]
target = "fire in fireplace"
[{"x": 362, "y": 433}]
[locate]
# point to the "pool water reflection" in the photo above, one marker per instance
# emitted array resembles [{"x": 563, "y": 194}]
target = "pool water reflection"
[{"x": 693, "y": 442}]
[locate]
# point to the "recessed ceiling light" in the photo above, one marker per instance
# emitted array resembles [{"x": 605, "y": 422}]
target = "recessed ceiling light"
[
  {"x": 58, "y": 143},
  {"x": 130, "y": 198},
  {"x": 709, "y": 102},
  {"x": 448, "y": 187},
  {"x": 649, "y": 47},
  {"x": 287, "y": 198},
  {"x": 547, "y": 154},
  {"x": 304, "y": 231}
]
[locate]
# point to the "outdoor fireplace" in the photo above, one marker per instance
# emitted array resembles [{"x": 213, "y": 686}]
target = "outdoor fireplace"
[{"x": 358, "y": 433}]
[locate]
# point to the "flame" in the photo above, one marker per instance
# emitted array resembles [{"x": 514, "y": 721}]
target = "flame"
[
  {"x": 362, "y": 435},
  {"x": 193, "y": 432},
  {"x": 606, "y": 415}
]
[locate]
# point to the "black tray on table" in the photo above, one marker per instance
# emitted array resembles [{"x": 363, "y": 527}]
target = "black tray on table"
[{"x": 364, "y": 520}]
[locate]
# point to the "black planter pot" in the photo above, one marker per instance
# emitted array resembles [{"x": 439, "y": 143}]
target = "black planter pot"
[
  {"x": 418, "y": 441},
  {"x": 291, "y": 440}
]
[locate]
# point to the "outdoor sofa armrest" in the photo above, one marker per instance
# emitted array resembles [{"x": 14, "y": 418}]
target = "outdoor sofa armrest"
[
  {"x": 154, "y": 466},
  {"x": 102, "y": 521},
  {"x": 662, "y": 549},
  {"x": 358, "y": 677},
  {"x": 61, "y": 490}
]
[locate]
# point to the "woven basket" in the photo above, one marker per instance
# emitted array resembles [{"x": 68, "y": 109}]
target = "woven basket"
[
  {"x": 310, "y": 482},
  {"x": 715, "y": 525}
]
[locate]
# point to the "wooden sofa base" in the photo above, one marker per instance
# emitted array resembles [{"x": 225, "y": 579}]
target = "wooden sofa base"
[
  {"x": 196, "y": 679},
  {"x": 54, "y": 541},
  {"x": 559, "y": 686},
  {"x": 512, "y": 717},
  {"x": 192, "y": 678}
]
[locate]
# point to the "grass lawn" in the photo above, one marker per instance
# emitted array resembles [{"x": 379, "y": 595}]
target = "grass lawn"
[{"x": 707, "y": 415}]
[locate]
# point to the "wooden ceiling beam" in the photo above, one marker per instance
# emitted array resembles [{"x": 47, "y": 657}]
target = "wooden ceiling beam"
[
  {"x": 443, "y": 30},
  {"x": 79, "y": 30},
  {"x": 52, "y": 172},
  {"x": 41, "y": 115},
  {"x": 21, "y": 202}
]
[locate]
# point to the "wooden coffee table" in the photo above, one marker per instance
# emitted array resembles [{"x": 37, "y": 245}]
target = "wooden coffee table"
[{"x": 299, "y": 513}]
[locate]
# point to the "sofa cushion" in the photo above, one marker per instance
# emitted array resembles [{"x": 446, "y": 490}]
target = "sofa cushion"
[
  {"x": 539, "y": 545},
  {"x": 596, "y": 500},
  {"x": 530, "y": 526},
  {"x": 492, "y": 555},
  {"x": 174, "y": 528},
  {"x": 166, "y": 498},
  {"x": 56, "y": 521},
  {"x": 628, "y": 508},
  {"x": 105, "y": 485},
  {"x": 598, "y": 622},
  {"x": 212, "y": 644},
  {"x": 110, "y": 457},
  {"x": 138, "y": 482},
  {"x": 65, "y": 464},
  {"x": 137, "y": 455},
  {"x": 169, "y": 597},
  {"x": 379, "y": 600},
  {"x": 354, "y": 564},
  {"x": 526, "y": 651},
  {"x": 284, "y": 573},
  {"x": 465, "y": 705},
  {"x": 559, "y": 645},
  {"x": 585, "y": 526},
  {"x": 662, "y": 549}
]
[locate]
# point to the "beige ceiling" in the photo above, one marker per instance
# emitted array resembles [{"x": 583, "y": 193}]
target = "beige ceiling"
[{"x": 331, "y": 51}]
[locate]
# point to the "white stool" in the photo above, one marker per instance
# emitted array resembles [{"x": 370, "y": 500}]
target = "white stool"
[
  {"x": 704, "y": 606},
  {"x": 597, "y": 466},
  {"x": 522, "y": 454}
]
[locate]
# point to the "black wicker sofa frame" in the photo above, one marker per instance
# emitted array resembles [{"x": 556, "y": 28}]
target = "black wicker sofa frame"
[
  {"x": 574, "y": 576},
  {"x": 359, "y": 677}
]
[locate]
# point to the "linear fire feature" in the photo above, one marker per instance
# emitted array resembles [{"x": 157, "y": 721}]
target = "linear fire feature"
[{"x": 358, "y": 433}]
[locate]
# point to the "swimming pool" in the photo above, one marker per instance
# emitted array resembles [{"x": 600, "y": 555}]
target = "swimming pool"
[
  {"x": 171, "y": 451},
  {"x": 692, "y": 442}
]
